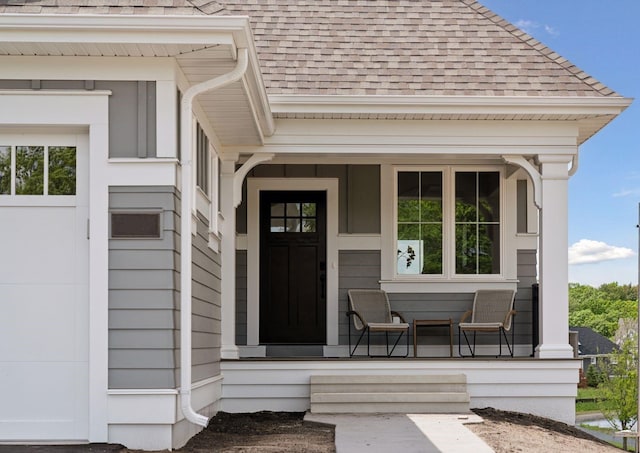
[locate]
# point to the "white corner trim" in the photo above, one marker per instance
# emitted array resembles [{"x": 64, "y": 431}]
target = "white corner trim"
[{"x": 254, "y": 187}]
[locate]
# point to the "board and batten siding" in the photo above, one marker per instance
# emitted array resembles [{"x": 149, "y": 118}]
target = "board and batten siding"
[
  {"x": 358, "y": 193},
  {"x": 144, "y": 297},
  {"x": 132, "y": 111}
]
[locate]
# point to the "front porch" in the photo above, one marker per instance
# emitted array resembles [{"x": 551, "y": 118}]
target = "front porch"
[{"x": 544, "y": 387}]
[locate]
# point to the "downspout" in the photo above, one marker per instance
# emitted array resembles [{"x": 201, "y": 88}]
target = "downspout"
[{"x": 186, "y": 145}]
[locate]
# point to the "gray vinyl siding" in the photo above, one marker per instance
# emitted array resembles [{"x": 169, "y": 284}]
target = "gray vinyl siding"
[
  {"x": 132, "y": 111},
  {"x": 144, "y": 297},
  {"x": 206, "y": 306},
  {"x": 361, "y": 269},
  {"x": 358, "y": 196}
]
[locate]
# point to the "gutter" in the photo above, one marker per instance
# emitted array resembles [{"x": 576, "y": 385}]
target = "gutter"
[{"x": 187, "y": 191}]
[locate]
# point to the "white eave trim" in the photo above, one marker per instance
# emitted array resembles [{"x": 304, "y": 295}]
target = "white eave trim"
[
  {"x": 430, "y": 105},
  {"x": 205, "y": 30}
]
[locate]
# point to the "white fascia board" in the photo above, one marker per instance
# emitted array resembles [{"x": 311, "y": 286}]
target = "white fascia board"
[
  {"x": 205, "y": 30},
  {"x": 432, "y": 105}
]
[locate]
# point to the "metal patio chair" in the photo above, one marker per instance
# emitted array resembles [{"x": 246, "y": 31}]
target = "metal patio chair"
[
  {"x": 492, "y": 312},
  {"x": 370, "y": 312}
]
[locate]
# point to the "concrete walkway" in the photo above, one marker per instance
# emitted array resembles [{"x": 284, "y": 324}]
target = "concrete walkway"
[{"x": 403, "y": 433}]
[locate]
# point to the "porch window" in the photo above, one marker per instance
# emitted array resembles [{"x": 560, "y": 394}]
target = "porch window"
[
  {"x": 448, "y": 222},
  {"x": 477, "y": 222}
]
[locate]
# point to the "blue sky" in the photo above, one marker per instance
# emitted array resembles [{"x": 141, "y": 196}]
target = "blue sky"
[{"x": 602, "y": 38}]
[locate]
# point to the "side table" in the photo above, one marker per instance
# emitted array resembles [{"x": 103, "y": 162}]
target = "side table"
[{"x": 432, "y": 323}]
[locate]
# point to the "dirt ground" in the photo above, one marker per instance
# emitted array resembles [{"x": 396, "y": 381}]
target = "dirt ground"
[
  {"x": 272, "y": 432},
  {"x": 508, "y": 432}
]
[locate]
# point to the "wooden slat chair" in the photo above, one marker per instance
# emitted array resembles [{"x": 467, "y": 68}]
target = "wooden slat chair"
[
  {"x": 492, "y": 312},
  {"x": 370, "y": 312}
]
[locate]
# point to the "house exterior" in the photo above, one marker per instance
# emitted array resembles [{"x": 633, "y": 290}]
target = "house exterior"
[
  {"x": 592, "y": 347},
  {"x": 188, "y": 189}
]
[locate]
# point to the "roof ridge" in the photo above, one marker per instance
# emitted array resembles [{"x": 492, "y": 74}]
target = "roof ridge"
[{"x": 541, "y": 48}]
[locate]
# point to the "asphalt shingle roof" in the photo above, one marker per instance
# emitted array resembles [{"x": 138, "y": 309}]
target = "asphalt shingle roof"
[
  {"x": 592, "y": 343},
  {"x": 374, "y": 47}
]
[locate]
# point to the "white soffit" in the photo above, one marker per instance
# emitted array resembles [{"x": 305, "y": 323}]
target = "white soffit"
[{"x": 204, "y": 47}]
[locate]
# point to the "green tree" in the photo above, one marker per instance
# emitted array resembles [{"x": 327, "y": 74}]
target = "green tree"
[
  {"x": 601, "y": 308},
  {"x": 619, "y": 396}
]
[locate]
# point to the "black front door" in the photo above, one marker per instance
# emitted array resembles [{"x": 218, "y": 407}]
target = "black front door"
[{"x": 292, "y": 267}]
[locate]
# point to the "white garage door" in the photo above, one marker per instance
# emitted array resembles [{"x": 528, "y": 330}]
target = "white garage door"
[{"x": 43, "y": 288}]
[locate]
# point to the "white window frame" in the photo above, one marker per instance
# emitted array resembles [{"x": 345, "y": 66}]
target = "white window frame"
[
  {"x": 448, "y": 281},
  {"x": 207, "y": 203}
]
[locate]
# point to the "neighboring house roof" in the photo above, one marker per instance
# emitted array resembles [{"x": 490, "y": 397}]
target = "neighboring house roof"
[
  {"x": 364, "y": 47},
  {"x": 592, "y": 343}
]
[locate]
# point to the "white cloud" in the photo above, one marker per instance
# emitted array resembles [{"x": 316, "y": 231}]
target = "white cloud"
[
  {"x": 627, "y": 193},
  {"x": 552, "y": 31},
  {"x": 529, "y": 27},
  {"x": 587, "y": 251}
]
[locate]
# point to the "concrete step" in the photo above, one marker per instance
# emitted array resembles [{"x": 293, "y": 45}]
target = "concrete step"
[
  {"x": 389, "y": 379},
  {"x": 389, "y": 393},
  {"x": 390, "y": 408},
  {"x": 389, "y": 397}
]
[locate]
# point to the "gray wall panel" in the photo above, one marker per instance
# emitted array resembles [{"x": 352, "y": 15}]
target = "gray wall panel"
[
  {"x": 363, "y": 211},
  {"x": 131, "y": 130},
  {"x": 144, "y": 281},
  {"x": 132, "y": 111},
  {"x": 359, "y": 193}
]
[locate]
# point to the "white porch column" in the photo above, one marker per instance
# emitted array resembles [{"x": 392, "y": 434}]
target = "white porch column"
[
  {"x": 228, "y": 350},
  {"x": 554, "y": 259}
]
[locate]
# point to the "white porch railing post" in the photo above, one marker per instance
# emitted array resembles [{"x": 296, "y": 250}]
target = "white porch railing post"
[
  {"x": 554, "y": 259},
  {"x": 228, "y": 350}
]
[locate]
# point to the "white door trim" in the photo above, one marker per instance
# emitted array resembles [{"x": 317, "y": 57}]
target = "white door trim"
[
  {"x": 254, "y": 187},
  {"x": 87, "y": 109}
]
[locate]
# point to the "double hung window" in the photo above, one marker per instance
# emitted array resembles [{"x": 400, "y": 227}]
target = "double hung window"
[{"x": 448, "y": 222}]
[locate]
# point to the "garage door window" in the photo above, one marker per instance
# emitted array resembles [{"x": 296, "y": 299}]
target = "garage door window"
[{"x": 37, "y": 170}]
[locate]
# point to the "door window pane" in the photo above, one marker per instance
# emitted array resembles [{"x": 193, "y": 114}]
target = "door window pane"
[
  {"x": 277, "y": 225},
  {"x": 5, "y": 170},
  {"x": 293, "y": 209},
  {"x": 293, "y": 225},
  {"x": 293, "y": 218},
  {"x": 277, "y": 209},
  {"x": 62, "y": 171},
  {"x": 29, "y": 170},
  {"x": 309, "y": 225}
]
